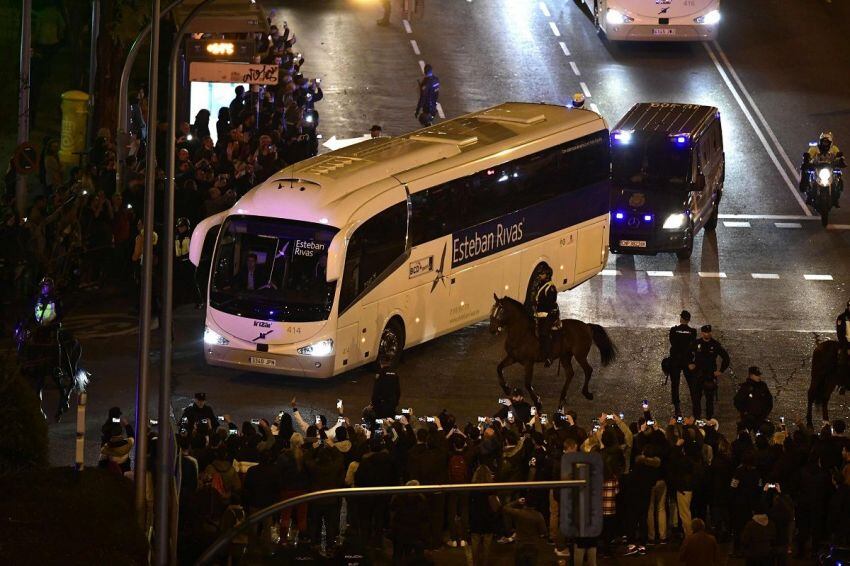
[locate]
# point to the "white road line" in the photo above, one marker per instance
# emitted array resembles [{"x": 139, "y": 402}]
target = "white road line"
[
  {"x": 415, "y": 46},
  {"x": 610, "y": 272},
  {"x": 407, "y": 27},
  {"x": 544, "y": 9},
  {"x": 766, "y": 217},
  {"x": 815, "y": 277},
  {"x": 765, "y": 275},
  {"x": 791, "y": 167},
  {"x": 730, "y": 224},
  {"x": 555, "y": 29},
  {"x": 787, "y": 224},
  {"x": 770, "y": 152},
  {"x": 574, "y": 67},
  {"x": 422, "y": 65},
  {"x": 838, "y": 227},
  {"x": 712, "y": 274},
  {"x": 564, "y": 48},
  {"x": 584, "y": 89},
  {"x": 659, "y": 273},
  {"x": 440, "y": 112},
  {"x": 594, "y": 107}
]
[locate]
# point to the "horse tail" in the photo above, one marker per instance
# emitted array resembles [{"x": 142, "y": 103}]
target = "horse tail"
[{"x": 607, "y": 349}]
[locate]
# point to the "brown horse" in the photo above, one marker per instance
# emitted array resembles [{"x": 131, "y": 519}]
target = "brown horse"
[
  {"x": 826, "y": 376},
  {"x": 573, "y": 340}
]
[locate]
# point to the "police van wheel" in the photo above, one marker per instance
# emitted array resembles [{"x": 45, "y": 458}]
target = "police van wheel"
[{"x": 392, "y": 344}]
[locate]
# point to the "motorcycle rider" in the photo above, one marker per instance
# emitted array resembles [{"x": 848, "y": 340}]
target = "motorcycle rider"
[
  {"x": 546, "y": 312},
  {"x": 429, "y": 92},
  {"x": 825, "y": 151},
  {"x": 47, "y": 309},
  {"x": 704, "y": 354}
]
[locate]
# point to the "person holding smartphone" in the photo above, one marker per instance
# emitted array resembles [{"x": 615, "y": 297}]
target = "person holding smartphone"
[
  {"x": 198, "y": 411},
  {"x": 114, "y": 418}
]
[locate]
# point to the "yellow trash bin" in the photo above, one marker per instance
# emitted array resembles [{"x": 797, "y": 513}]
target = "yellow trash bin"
[{"x": 75, "y": 111}]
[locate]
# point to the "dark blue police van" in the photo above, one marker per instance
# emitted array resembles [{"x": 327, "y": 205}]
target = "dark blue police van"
[{"x": 667, "y": 168}]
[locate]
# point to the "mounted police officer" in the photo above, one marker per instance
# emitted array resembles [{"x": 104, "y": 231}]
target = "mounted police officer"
[
  {"x": 545, "y": 310},
  {"x": 682, "y": 336},
  {"x": 841, "y": 330},
  {"x": 704, "y": 353}
]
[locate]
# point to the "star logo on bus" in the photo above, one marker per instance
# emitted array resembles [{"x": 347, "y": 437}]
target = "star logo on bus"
[
  {"x": 440, "y": 278},
  {"x": 262, "y": 336}
]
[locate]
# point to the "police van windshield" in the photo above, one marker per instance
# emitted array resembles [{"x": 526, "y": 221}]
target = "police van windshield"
[
  {"x": 273, "y": 269},
  {"x": 651, "y": 162}
]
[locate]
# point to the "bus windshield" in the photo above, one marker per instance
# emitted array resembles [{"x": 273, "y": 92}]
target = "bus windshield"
[
  {"x": 273, "y": 269},
  {"x": 651, "y": 162}
]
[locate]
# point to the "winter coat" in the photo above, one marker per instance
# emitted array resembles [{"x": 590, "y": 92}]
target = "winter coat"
[
  {"x": 262, "y": 486},
  {"x": 754, "y": 399},
  {"x": 758, "y": 537},
  {"x": 229, "y": 476},
  {"x": 700, "y": 549},
  {"x": 325, "y": 467}
]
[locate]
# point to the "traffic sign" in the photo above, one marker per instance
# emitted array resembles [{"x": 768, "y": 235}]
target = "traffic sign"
[{"x": 25, "y": 159}]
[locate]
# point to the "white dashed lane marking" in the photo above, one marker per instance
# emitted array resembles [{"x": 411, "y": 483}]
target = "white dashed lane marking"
[
  {"x": 838, "y": 227},
  {"x": 440, "y": 112},
  {"x": 712, "y": 274},
  {"x": 787, "y": 224},
  {"x": 422, "y": 65},
  {"x": 660, "y": 273},
  {"x": 564, "y": 48},
  {"x": 415, "y": 46},
  {"x": 817, "y": 277},
  {"x": 407, "y": 27},
  {"x": 574, "y": 67},
  {"x": 733, "y": 224},
  {"x": 544, "y": 9},
  {"x": 584, "y": 89},
  {"x": 554, "y": 28},
  {"x": 764, "y": 275},
  {"x": 594, "y": 107},
  {"x": 609, "y": 272}
]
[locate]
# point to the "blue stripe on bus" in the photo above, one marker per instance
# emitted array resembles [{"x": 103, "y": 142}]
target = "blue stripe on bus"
[{"x": 530, "y": 223}]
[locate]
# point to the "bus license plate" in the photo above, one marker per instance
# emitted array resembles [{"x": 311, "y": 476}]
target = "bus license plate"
[
  {"x": 268, "y": 362},
  {"x": 633, "y": 243},
  {"x": 664, "y": 31}
]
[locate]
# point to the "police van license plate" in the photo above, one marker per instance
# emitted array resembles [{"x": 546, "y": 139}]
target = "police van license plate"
[
  {"x": 633, "y": 243},
  {"x": 268, "y": 362},
  {"x": 664, "y": 31}
]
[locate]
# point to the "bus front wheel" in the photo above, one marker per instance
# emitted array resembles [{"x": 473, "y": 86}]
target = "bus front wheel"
[{"x": 391, "y": 345}]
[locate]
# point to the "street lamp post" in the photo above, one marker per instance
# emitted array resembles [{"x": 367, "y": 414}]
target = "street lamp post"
[
  {"x": 163, "y": 462},
  {"x": 24, "y": 99}
]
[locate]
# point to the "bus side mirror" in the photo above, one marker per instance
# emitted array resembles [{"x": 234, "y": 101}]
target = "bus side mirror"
[
  {"x": 336, "y": 254},
  {"x": 199, "y": 235}
]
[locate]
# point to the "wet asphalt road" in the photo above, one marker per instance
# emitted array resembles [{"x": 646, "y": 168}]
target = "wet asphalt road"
[{"x": 769, "y": 281}]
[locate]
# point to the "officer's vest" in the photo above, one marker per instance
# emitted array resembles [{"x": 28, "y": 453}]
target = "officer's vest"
[
  {"x": 181, "y": 247},
  {"x": 45, "y": 312},
  {"x": 540, "y": 292}
]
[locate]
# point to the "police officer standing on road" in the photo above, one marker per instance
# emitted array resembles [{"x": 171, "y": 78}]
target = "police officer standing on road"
[
  {"x": 704, "y": 353},
  {"x": 197, "y": 412},
  {"x": 682, "y": 336},
  {"x": 386, "y": 392},
  {"x": 429, "y": 92},
  {"x": 182, "y": 267},
  {"x": 753, "y": 400}
]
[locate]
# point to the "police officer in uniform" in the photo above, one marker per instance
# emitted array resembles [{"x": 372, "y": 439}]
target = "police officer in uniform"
[
  {"x": 183, "y": 269},
  {"x": 704, "y": 354},
  {"x": 546, "y": 312},
  {"x": 429, "y": 92},
  {"x": 753, "y": 400},
  {"x": 682, "y": 336},
  {"x": 197, "y": 412}
]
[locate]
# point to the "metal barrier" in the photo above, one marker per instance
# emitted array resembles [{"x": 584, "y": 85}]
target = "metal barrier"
[{"x": 255, "y": 518}]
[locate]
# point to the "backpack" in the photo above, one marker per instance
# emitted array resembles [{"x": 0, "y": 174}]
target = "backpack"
[
  {"x": 458, "y": 470},
  {"x": 217, "y": 483}
]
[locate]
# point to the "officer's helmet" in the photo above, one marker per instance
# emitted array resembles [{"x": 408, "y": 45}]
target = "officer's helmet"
[
  {"x": 825, "y": 141},
  {"x": 183, "y": 221},
  {"x": 46, "y": 285},
  {"x": 544, "y": 270}
]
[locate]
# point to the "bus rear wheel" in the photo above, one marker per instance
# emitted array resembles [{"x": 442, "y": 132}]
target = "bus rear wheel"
[{"x": 391, "y": 345}]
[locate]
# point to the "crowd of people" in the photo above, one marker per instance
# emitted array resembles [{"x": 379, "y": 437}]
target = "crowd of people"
[
  {"x": 771, "y": 490},
  {"x": 85, "y": 231}
]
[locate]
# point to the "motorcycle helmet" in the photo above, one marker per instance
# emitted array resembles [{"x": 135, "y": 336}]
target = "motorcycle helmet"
[
  {"x": 183, "y": 221},
  {"x": 46, "y": 285},
  {"x": 578, "y": 100},
  {"x": 825, "y": 141}
]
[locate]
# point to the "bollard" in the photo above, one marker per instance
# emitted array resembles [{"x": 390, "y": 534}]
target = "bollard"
[
  {"x": 75, "y": 111},
  {"x": 81, "y": 431}
]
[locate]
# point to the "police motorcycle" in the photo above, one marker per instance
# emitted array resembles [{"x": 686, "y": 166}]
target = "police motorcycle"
[
  {"x": 44, "y": 348},
  {"x": 822, "y": 181}
]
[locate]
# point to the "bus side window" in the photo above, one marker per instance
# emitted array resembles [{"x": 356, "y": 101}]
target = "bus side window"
[{"x": 371, "y": 249}]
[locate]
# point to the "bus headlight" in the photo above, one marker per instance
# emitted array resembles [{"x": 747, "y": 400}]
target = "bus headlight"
[
  {"x": 320, "y": 348},
  {"x": 213, "y": 337},
  {"x": 824, "y": 177},
  {"x": 675, "y": 221},
  {"x": 709, "y": 19},
  {"x": 616, "y": 17}
]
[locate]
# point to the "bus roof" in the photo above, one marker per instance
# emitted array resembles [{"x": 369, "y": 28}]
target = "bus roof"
[
  {"x": 329, "y": 188},
  {"x": 666, "y": 118}
]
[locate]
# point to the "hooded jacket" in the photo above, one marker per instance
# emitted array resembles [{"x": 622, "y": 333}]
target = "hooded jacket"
[{"x": 758, "y": 537}]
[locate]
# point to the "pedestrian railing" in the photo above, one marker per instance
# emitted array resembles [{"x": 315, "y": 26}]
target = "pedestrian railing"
[{"x": 223, "y": 542}]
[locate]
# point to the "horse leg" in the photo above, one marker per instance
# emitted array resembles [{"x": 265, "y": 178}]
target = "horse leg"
[
  {"x": 828, "y": 389},
  {"x": 810, "y": 402},
  {"x": 569, "y": 373},
  {"x": 529, "y": 375},
  {"x": 588, "y": 371},
  {"x": 508, "y": 361}
]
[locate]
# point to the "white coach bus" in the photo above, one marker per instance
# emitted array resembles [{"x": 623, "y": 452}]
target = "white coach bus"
[
  {"x": 370, "y": 249},
  {"x": 656, "y": 20}
]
